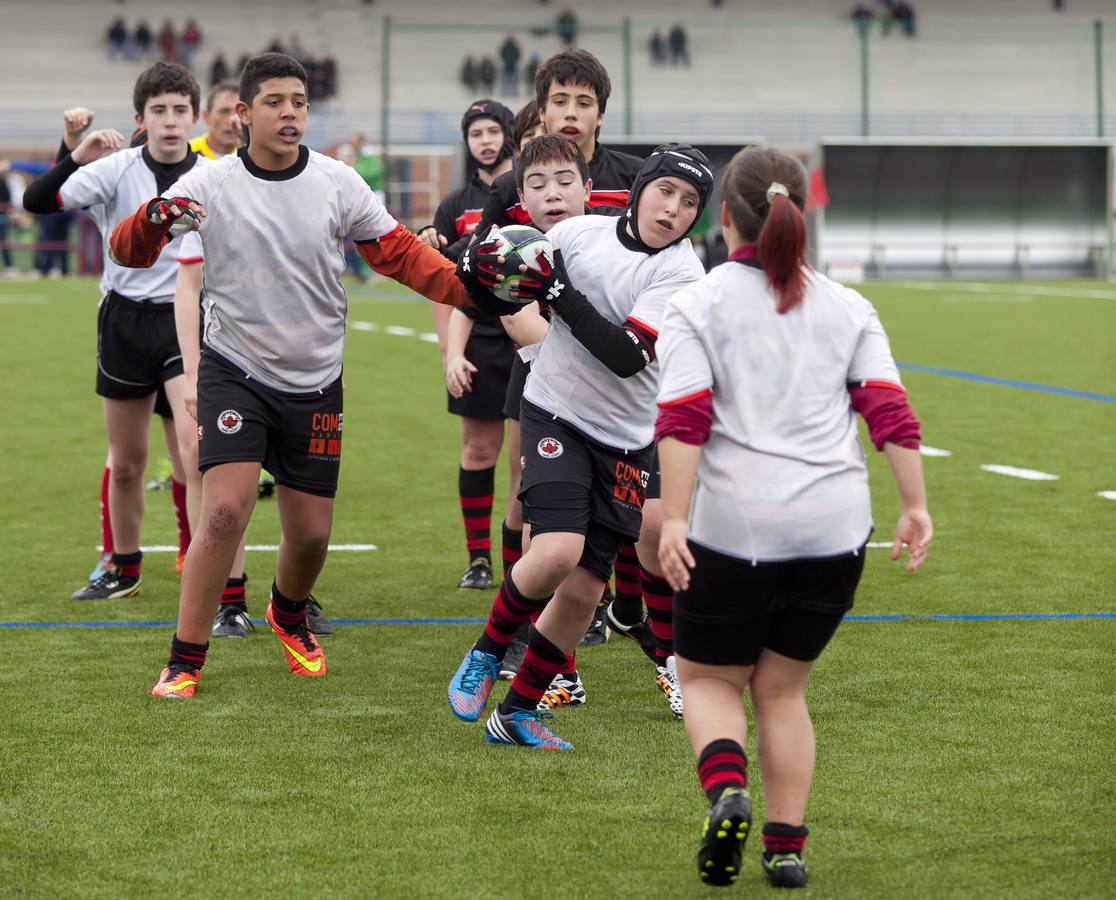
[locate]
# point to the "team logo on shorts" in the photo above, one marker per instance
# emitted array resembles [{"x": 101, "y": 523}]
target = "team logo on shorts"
[
  {"x": 230, "y": 421},
  {"x": 201, "y": 432},
  {"x": 550, "y": 448},
  {"x": 523, "y": 462}
]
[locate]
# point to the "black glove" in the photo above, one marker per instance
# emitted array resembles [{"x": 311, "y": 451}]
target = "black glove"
[
  {"x": 477, "y": 269},
  {"x": 548, "y": 287},
  {"x": 158, "y": 211}
]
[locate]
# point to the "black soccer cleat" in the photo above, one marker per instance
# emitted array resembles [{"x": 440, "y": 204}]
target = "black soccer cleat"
[
  {"x": 110, "y": 586},
  {"x": 232, "y": 621},
  {"x": 597, "y": 633},
  {"x": 478, "y": 576},
  {"x": 640, "y": 632},
  {"x": 785, "y": 870},
  {"x": 517, "y": 649},
  {"x": 316, "y": 620},
  {"x": 266, "y": 486},
  {"x": 726, "y": 828}
]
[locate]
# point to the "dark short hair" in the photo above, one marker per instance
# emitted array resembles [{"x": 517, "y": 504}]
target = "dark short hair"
[
  {"x": 573, "y": 67},
  {"x": 526, "y": 119},
  {"x": 220, "y": 88},
  {"x": 165, "y": 78},
  {"x": 550, "y": 148},
  {"x": 269, "y": 65}
]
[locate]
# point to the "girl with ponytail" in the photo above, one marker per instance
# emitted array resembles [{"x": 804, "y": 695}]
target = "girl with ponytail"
[{"x": 764, "y": 364}]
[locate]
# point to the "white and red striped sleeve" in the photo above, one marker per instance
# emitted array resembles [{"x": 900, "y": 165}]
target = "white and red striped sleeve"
[
  {"x": 190, "y": 250},
  {"x": 685, "y": 397}
]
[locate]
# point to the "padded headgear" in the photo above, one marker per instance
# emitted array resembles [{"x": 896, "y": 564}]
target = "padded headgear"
[
  {"x": 495, "y": 110},
  {"x": 678, "y": 161}
]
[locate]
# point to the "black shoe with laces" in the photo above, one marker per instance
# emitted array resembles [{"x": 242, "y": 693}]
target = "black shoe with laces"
[
  {"x": 478, "y": 577},
  {"x": 597, "y": 633},
  {"x": 316, "y": 620},
  {"x": 785, "y": 869},
  {"x": 517, "y": 649},
  {"x": 232, "y": 621},
  {"x": 640, "y": 632},
  {"x": 110, "y": 586}
]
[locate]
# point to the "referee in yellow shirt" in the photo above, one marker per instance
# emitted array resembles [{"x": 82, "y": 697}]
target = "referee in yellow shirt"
[{"x": 223, "y": 134}]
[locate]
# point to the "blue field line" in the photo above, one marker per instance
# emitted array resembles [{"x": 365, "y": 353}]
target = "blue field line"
[
  {"x": 1008, "y": 382},
  {"x": 896, "y": 617}
]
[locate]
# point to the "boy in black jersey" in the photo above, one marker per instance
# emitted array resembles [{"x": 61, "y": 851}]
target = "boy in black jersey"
[{"x": 476, "y": 354}]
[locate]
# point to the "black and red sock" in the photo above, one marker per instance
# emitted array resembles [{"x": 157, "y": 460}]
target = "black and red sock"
[
  {"x": 721, "y": 765},
  {"x": 235, "y": 593},
  {"x": 106, "y": 520},
  {"x": 778, "y": 837},
  {"x": 128, "y": 563},
  {"x": 628, "y": 604},
  {"x": 475, "y": 488},
  {"x": 542, "y": 661},
  {"x": 178, "y": 495},
  {"x": 288, "y": 614},
  {"x": 659, "y": 598},
  {"x": 509, "y": 610},
  {"x": 185, "y": 653},
  {"x": 511, "y": 545}
]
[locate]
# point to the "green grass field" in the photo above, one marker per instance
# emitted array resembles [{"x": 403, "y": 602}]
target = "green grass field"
[{"x": 957, "y": 757}]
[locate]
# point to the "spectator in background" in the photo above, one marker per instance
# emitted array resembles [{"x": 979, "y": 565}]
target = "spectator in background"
[
  {"x": 117, "y": 39},
  {"x": 904, "y": 14},
  {"x": 679, "y": 52},
  {"x": 191, "y": 39},
  {"x": 241, "y": 62},
  {"x": 54, "y": 236},
  {"x": 275, "y": 46},
  {"x": 329, "y": 76},
  {"x": 509, "y": 55},
  {"x": 861, "y": 13},
  {"x": 885, "y": 15},
  {"x": 168, "y": 42},
  {"x": 469, "y": 75},
  {"x": 529, "y": 71},
  {"x": 142, "y": 40},
  {"x": 566, "y": 26},
  {"x": 294, "y": 48},
  {"x": 658, "y": 48},
  {"x": 218, "y": 70},
  {"x": 486, "y": 74},
  {"x": 5, "y": 204}
]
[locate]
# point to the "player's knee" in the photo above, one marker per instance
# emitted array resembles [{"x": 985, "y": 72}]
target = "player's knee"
[
  {"x": 558, "y": 553},
  {"x": 126, "y": 472},
  {"x": 308, "y": 539},
  {"x": 479, "y": 454},
  {"x": 227, "y": 519}
]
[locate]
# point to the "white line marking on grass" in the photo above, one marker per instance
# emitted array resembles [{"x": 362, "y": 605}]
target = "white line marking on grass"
[
  {"x": 365, "y": 326},
  {"x": 173, "y": 548},
  {"x": 399, "y": 331},
  {"x": 1023, "y": 289},
  {"x": 1026, "y": 474},
  {"x": 879, "y": 545},
  {"x": 429, "y": 336},
  {"x": 933, "y": 451},
  {"x": 1107, "y": 495}
]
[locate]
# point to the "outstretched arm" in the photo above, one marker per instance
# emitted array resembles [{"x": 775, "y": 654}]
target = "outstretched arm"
[
  {"x": 137, "y": 241},
  {"x": 402, "y": 256}
]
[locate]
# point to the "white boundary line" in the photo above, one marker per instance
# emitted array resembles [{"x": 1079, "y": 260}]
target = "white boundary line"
[
  {"x": 1025, "y": 290},
  {"x": 173, "y": 548},
  {"x": 1107, "y": 495},
  {"x": 1026, "y": 474},
  {"x": 933, "y": 451}
]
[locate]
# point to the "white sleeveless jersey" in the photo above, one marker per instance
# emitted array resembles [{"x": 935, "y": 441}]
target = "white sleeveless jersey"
[
  {"x": 274, "y": 255},
  {"x": 566, "y": 380},
  {"x": 783, "y": 475},
  {"x": 110, "y": 189}
]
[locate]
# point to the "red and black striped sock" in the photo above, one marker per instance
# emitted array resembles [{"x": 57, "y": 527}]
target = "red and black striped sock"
[
  {"x": 178, "y": 495},
  {"x": 509, "y": 610},
  {"x": 511, "y": 545},
  {"x": 289, "y": 614},
  {"x": 541, "y": 663},
  {"x": 660, "y": 610},
  {"x": 628, "y": 605},
  {"x": 106, "y": 521},
  {"x": 778, "y": 837},
  {"x": 722, "y": 764},
  {"x": 475, "y": 488},
  {"x": 234, "y": 592},
  {"x": 128, "y": 563},
  {"x": 184, "y": 652}
]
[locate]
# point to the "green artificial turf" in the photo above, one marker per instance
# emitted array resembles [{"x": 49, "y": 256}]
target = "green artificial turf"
[{"x": 956, "y": 757}]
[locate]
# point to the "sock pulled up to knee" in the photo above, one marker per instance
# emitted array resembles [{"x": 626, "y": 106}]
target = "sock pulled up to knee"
[
  {"x": 721, "y": 765},
  {"x": 510, "y": 609},
  {"x": 542, "y": 661}
]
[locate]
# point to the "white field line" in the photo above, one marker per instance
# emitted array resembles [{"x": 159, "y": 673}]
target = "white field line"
[
  {"x": 880, "y": 545},
  {"x": 365, "y": 326},
  {"x": 1026, "y": 474},
  {"x": 933, "y": 451},
  {"x": 399, "y": 331},
  {"x": 1107, "y": 495},
  {"x": 173, "y": 548},
  {"x": 429, "y": 336},
  {"x": 1027, "y": 290}
]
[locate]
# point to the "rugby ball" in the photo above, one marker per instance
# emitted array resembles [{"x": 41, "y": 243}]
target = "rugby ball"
[{"x": 521, "y": 245}]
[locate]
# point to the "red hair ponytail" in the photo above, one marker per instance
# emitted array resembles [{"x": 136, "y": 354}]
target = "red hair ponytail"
[{"x": 781, "y": 248}]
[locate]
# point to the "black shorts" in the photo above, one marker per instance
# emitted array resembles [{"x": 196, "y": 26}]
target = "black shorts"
[
  {"x": 297, "y": 437},
  {"x": 733, "y": 609},
  {"x": 518, "y": 380},
  {"x": 655, "y": 482},
  {"x": 162, "y": 404},
  {"x": 137, "y": 347},
  {"x": 574, "y": 484},
  {"x": 492, "y": 354}
]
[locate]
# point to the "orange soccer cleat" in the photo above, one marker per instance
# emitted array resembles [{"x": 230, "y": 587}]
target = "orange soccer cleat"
[
  {"x": 177, "y": 682},
  {"x": 179, "y": 563},
  {"x": 304, "y": 653}
]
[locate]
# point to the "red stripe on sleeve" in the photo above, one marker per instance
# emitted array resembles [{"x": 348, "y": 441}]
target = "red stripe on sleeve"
[
  {"x": 690, "y": 421},
  {"x": 188, "y": 260},
  {"x": 689, "y": 398},
  {"x": 651, "y": 331},
  {"x": 886, "y": 385}
]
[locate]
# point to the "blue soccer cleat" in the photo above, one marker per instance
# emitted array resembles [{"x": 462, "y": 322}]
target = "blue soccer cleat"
[
  {"x": 104, "y": 563},
  {"x": 472, "y": 683},
  {"x": 523, "y": 728}
]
